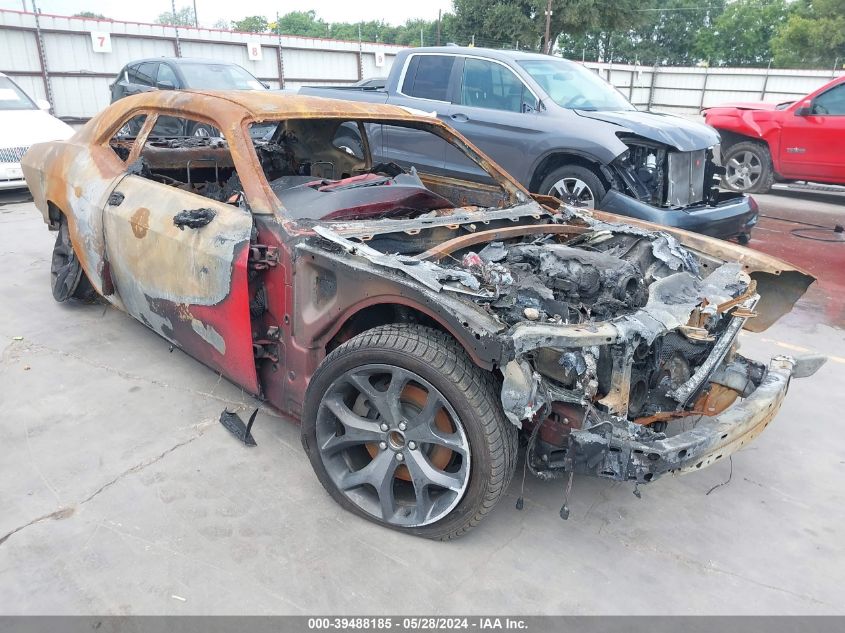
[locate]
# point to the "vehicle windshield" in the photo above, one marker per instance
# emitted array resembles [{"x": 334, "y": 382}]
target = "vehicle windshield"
[
  {"x": 218, "y": 77},
  {"x": 571, "y": 85},
  {"x": 13, "y": 98}
]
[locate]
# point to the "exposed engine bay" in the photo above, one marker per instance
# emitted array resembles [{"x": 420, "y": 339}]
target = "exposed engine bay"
[
  {"x": 620, "y": 337},
  {"x": 662, "y": 177}
]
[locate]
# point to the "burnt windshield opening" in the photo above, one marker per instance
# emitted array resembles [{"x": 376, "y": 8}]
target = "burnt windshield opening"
[{"x": 333, "y": 169}]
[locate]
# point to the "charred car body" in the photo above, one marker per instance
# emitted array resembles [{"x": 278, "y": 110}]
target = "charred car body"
[{"x": 416, "y": 324}]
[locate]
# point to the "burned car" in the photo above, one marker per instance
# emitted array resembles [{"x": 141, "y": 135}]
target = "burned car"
[{"x": 417, "y": 325}]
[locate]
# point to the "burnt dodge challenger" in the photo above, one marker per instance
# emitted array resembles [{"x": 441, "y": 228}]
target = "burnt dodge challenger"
[{"x": 422, "y": 328}]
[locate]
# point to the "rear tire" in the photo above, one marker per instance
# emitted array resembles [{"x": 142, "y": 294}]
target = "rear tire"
[
  {"x": 353, "y": 435},
  {"x": 67, "y": 279},
  {"x": 748, "y": 168},
  {"x": 575, "y": 185}
]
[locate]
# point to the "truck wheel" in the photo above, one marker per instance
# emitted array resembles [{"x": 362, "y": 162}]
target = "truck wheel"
[
  {"x": 404, "y": 430},
  {"x": 67, "y": 279},
  {"x": 575, "y": 185},
  {"x": 748, "y": 168}
]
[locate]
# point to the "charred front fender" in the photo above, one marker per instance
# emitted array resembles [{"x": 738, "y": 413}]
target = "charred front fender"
[{"x": 332, "y": 286}]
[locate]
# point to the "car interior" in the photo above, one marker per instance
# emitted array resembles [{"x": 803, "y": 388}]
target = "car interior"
[{"x": 317, "y": 168}]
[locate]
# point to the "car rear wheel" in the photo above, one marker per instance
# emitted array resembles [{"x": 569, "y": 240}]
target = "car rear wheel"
[
  {"x": 748, "y": 168},
  {"x": 404, "y": 430},
  {"x": 575, "y": 185},
  {"x": 67, "y": 279}
]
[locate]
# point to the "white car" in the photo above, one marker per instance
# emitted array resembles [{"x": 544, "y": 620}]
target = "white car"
[{"x": 23, "y": 122}]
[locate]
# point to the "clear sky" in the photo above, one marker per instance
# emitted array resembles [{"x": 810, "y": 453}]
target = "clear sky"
[{"x": 210, "y": 11}]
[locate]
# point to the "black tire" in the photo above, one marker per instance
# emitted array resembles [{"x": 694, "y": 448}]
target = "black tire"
[
  {"x": 204, "y": 130},
  {"x": 585, "y": 175},
  {"x": 754, "y": 155},
  {"x": 352, "y": 143},
  {"x": 67, "y": 279},
  {"x": 471, "y": 392}
]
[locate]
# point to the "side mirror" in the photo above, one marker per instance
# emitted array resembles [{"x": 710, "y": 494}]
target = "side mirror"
[
  {"x": 43, "y": 104},
  {"x": 165, "y": 85},
  {"x": 805, "y": 108}
]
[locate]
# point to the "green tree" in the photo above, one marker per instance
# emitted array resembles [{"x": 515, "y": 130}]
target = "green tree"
[
  {"x": 742, "y": 34},
  {"x": 506, "y": 22},
  {"x": 813, "y": 36},
  {"x": 90, "y": 14},
  {"x": 183, "y": 17},
  {"x": 663, "y": 35},
  {"x": 304, "y": 23},
  {"x": 251, "y": 24}
]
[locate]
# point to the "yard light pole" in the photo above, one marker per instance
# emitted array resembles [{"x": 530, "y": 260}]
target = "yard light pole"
[
  {"x": 176, "y": 29},
  {"x": 548, "y": 46}
]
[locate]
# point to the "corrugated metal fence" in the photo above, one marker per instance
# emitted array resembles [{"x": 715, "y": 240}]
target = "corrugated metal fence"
[
  {"x": 54, "y": 57},
  {"x": 686, "y": 90}
]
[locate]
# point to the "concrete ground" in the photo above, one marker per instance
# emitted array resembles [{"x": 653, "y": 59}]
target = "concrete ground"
[{"x": 121, "y": 494}]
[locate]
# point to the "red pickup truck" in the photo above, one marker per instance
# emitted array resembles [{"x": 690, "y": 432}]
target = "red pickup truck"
[{"x": 767, "y": 142}]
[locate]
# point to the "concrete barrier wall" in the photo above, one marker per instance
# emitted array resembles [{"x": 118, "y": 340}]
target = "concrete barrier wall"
[
  {"x": 685, "y": 90},
  {"x": 52, "y": 57}
]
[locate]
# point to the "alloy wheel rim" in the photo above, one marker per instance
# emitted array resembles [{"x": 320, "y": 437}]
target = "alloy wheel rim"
[
  {"x": 743, "y": 170},
  {"x": 388, "y": 450},
  {"x": 574, "y": 191}
]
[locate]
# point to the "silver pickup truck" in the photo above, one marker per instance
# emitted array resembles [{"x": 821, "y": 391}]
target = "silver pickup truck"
[{"x": 559, "y": 129}]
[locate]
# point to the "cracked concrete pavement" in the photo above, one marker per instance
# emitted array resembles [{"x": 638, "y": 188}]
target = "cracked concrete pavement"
[{"x": 121, "y": 494}]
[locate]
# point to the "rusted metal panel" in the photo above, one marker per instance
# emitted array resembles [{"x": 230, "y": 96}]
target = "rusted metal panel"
[{"x": 188, "y": 285}]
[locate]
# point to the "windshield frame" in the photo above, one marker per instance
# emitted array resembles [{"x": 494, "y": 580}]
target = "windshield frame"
[
  {"x": 518, "y": 195},
  {"x": 23, "y": 97},
  {"x": 617, "y": 102}
]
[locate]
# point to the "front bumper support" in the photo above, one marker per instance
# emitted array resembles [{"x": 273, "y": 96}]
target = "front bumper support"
[
  {"x": 605, "y": 452},
  {"x": 736, "y": 215}
]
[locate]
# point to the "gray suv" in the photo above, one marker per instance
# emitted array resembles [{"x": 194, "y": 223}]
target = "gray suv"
[
  {"x": 559, "y": 129},
  {"x": 180, "y": 73}
]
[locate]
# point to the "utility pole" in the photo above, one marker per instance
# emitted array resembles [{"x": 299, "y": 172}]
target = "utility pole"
[
  {"x": 196, "y": 19},
  {"x": 439, "y": 11},
  {"x": 281, "y": 58},
  {"x": 421, "y": 38},
  {"x": 176, "y": 28},
  {"x": 548, "y": 45}
]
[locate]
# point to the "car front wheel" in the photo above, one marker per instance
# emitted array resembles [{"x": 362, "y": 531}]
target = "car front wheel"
[
  {"x": 403, "y": 429},
  {"x": 575, "y": 185}
]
